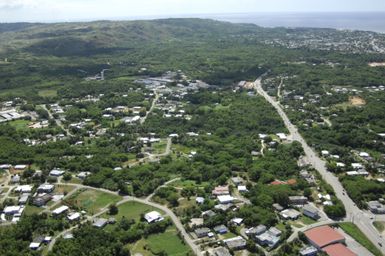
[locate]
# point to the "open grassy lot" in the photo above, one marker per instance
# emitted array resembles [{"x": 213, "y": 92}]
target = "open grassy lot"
[
  {"x": 91, "y": 200},
  {"x": 352, "y": 230},
  {"x": 132, "y": 210},
  {"x": 379, "y": 225},
  {"x": 47, "y": 93},
  {"x": 20, "y": 124},
  {"x": 159, "y": 147},
  {"x": 169, "y": 242},
  {"x": 31, "y": 209},
  {"x": 61, "y": 189}
]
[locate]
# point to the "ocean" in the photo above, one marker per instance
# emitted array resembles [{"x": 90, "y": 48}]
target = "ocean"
[{"x": 373, "y": 21}]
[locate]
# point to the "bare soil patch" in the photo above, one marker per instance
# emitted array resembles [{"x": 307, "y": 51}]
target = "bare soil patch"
[{"x": 357, "y": 101}]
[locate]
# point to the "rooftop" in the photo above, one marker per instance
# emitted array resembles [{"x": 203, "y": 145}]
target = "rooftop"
[
  {"x": 323, "y": 236},
  {"x": 338, "y": 250}
]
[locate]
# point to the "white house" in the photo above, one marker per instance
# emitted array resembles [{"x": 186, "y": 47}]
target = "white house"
[
  {"x": 153, "y": 216},
  {"x": 60, "y": 210},
  {"x": 225, "y": 199}
]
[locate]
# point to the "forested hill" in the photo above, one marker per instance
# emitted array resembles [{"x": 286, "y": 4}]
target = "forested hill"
[{"x": 217, "y": 52}]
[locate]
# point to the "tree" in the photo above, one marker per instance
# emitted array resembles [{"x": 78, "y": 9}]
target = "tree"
[
  {"x": 113, "y": 209},
  {"x": 67, "y": 176}
]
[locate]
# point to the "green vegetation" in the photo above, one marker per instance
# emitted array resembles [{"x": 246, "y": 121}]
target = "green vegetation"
[
  {"x": 133, "y": 210},
  {"x": 167, "y": 242},
  {"x": 379, "y": 225},
  {"x": 352, "y": 230},
  {"x": 91, "y": 201}
]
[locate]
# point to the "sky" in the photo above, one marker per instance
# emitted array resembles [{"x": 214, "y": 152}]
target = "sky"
[{"x": 83, "y": 10}]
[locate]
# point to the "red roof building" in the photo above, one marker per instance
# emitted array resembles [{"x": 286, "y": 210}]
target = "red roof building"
[
  {"x": 324, "y": 236},
  {"x": 338, "y": 250}
]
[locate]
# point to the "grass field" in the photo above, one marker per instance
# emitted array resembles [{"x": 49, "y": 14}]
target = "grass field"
[
  {"x": 30, "y": 209},
  {"x": 61, "y": 189},
  {"x": 20, "y": 124},
  {"x": 168, "y": 242},
  {"x": 47, "y": 93},
  {"x": 352, "y": 230},
  {"x": 132, "y": 210},
  {"x": 379, "y": 225},
  {"x": 159, "y": 147},
  {"x": 92, "y": 201}
]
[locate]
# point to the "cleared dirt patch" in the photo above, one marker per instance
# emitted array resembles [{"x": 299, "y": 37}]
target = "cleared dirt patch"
[
  {"x": 377, "y": 64},
  {"x": 357, "y": 101}
]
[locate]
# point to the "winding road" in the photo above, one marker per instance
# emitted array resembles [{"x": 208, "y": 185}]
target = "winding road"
[
  {"x": 195, "y": 248},
  {"x": 353, "y": 214}
]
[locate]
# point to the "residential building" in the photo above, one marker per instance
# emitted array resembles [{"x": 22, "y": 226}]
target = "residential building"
[
  {"x": 100, "y": 223},
  {"x": 290, "y": 214},
  {"x": 46, "y": 188},
  {"x": 298, "y": 200},
  {"x": 221, "y": 190},
  {"x": 221, "y": 251},
  {"x": 41, "y": 200},
  {"x": 311, "y": 212},
  {"x": 202, "y": 232},
  {"x": 221, "y": 229},
  {"x": 153, "y": 216},
  {"x": 60, "y": 210},
  {"x": 308, "y": 251},
  {"x": 235, "y": 243}
]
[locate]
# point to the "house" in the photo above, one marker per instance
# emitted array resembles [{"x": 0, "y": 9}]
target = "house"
[
  {"x": 290, "y": 214},
  {"x": 60, "y": 210},
  {"x": 24, "y": 189},
  {"x": 15, "y": 179},
  {"x": 269, "y": 238},
  {"x": 275, "y": 231},
  {"x": 237, "y": 221},
  {"x": 73, "y": 216},
  {"x": 225, "y": 199},
  {"x": 235, "y": 243},
  {"x": 208, "y": 214},
  {"x": 100, "y": 223},
  {"x": 242, "y": 188},
  {"x": 298, "y": 200},
  {"x": 46, "y": 188},
  {"x": 323, "y": 236},
  {"x": 153, "y": 216},
  {"x": 338, "y": 250},
  {"x": 199, "y": 200},
  {"x": 41, "y": 200},
  {"x": 196, "y": 222},
  {"x": 252, "y": 232},
  {"x": 56, "y": 173},
  {"x": 376, "y": 207},
  {"x": 202, "y": 232},
  {"x": 311, "y": 212},
  {"x": 36, "y": 243},
  {"x": 221, "y": 229},
  {"x": 224, "y": 207},
  {"x": 83, "y": 175},
  {"x": 221, "y": 251},
  {"x": 12, "y": 210},
  {"x": 20, "y": 167},
  {"x": 221, "y": 190},
  {"x": 282, "y": 136},
  {"x": 237, "y": 180},
  {"x": 325, "y": 153},
  {"x": 24, "y": 198},
  {"x": 278, "y": 207},
  {"x": 308, "y": 251}
]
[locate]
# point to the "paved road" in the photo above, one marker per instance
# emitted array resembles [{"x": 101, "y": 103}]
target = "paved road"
[
  {"x": 195, "y": 248},
  {"x": 152, "y": 107},
  {"x": 57, "y": 121},
  {"x": 354, "y": 214}
]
